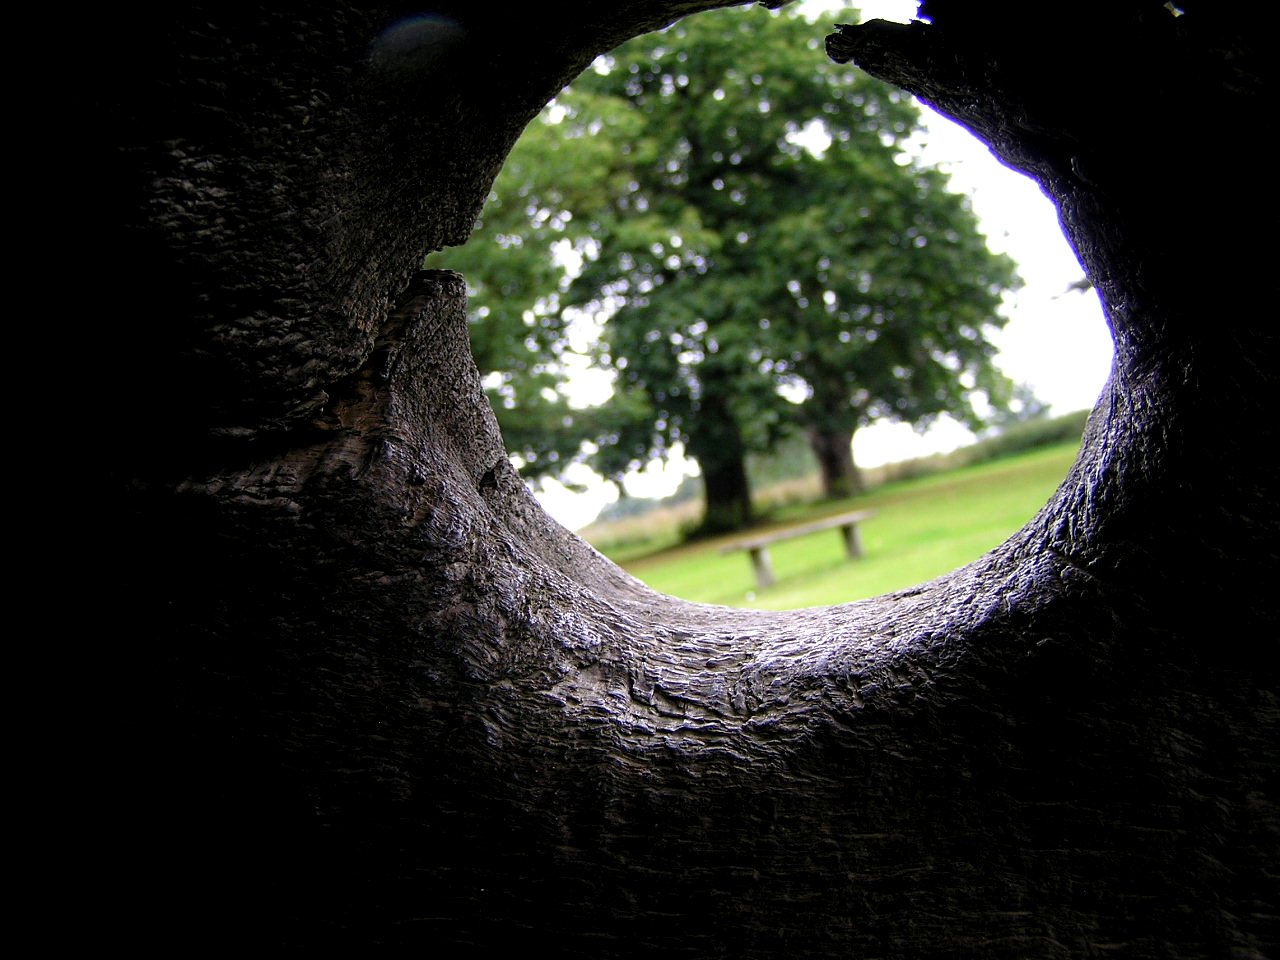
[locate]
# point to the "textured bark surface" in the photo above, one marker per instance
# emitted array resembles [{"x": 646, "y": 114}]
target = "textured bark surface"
[{"x": 372, "y": 694}]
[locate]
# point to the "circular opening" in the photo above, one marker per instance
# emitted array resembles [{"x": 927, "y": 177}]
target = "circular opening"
[{"x": 761, "y": 253}]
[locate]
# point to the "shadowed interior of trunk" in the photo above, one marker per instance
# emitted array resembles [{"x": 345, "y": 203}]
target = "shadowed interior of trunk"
[{"x": 373, "y": 694}]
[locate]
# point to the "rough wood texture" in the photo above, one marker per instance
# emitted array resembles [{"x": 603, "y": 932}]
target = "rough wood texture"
[{"x": 372, "y": 694}]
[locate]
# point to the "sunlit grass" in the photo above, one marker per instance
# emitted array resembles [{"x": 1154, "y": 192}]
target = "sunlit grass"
[{"x": 923, "y": 528}]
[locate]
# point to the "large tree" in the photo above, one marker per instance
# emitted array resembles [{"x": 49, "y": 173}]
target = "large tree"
[
  {"x": 884, "y": 295},
  {"x": 355, "y": 689},
  {"x": 773, "y": 235}
]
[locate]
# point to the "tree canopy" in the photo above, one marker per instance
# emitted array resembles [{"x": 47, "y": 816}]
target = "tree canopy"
[{"x": 767, "y": 255}]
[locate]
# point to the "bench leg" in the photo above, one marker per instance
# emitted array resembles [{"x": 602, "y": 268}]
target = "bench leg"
[
  {"x": 852, "y": 541},
  {"x": 763, "y": 568}
]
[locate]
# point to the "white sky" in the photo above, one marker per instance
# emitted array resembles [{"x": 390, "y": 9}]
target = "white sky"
[{"x": 1056, "y": 339}]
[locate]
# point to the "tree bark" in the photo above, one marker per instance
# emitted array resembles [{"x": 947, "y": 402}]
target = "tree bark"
[
  {"x": 359, "y": 690},
  {"x": 834, "y": 449}
]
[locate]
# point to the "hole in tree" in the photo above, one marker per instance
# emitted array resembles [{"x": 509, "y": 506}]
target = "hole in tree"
[{"x": 717, "y": 258}]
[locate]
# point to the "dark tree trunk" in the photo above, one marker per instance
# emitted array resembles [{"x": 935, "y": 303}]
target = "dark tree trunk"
[
  {"x": 358, "y": 690},
  {"x": 728, "y": 494},
  {"x": 834, "y": 449},
  {"x": 716, "y": 443}
]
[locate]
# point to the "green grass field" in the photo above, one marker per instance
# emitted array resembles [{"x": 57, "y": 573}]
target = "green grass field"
[{"x": 923, "y": 528}]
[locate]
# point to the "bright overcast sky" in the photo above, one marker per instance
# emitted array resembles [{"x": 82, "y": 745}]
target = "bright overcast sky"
[{"x": 1056, "y": 339}]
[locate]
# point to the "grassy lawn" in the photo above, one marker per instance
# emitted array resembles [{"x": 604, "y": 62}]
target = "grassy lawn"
[{"x": 922, "y": 528}]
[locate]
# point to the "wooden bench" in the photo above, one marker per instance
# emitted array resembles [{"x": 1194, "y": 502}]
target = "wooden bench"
[{"x": 758, "y": 547}]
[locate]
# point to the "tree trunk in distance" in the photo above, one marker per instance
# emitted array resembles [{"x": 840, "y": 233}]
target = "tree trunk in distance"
[
  {"x": 716, "y": 443},
  {"x": 834, "y": 449}
]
